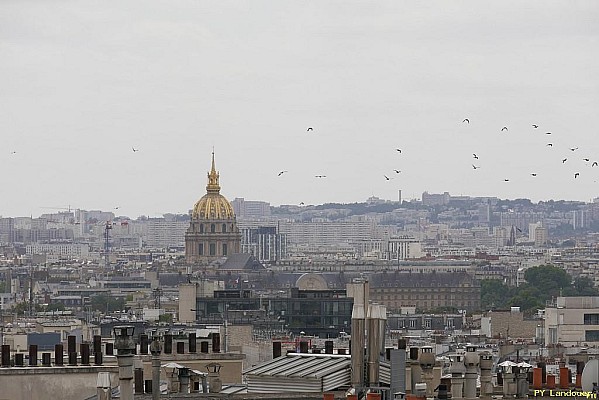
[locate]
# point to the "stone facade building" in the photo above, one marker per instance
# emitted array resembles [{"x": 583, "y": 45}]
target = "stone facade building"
[
  {"x": 426, "y": 291},
  {"x": 213, "y": 231}
]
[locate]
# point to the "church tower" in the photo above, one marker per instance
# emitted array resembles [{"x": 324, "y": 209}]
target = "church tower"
[{"x": 212, "y": 232}]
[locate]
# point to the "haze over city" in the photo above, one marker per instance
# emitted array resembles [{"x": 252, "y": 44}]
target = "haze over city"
[{"x": 121, "y": 105}]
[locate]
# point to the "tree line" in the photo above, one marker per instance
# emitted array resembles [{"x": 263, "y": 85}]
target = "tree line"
[{"x": 543, "y": 283}]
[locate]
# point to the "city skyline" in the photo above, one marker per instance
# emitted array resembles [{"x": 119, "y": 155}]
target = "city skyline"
[{"x": 122, "y": 107}]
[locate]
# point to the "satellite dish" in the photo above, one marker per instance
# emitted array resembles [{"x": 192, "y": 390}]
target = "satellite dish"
[{"x": 590, "y": 374}]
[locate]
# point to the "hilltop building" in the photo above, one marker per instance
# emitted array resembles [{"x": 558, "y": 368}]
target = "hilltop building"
[{"x": 213, "y": 231}]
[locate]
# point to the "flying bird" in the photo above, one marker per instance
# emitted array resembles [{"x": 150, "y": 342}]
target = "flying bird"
[
  {"x": 535, "y": 126},
  {"x": 466, "y": 120},
  {"x": 475, "y": 166},
  {"x": 301, "y": 203},
  {"x": 564, "y": 160},
  {"x": 547, "y": 133},
  {"x": 13, "y": 152},
  {"x": 586, "y": 159},
  {"x": 134, "y": 149},
  {"x": 594, "y": 164},
  {"x": 398, "y": 150},
  {"x": 519, "y": 230},
  {"x": 282, "y": 172},
  {"x": 550, "y": 144},
  {"x": 320, "y": 176},
  {"x": 387, "y": 178},
  {"x": 576, "y": 175},
  {"x": 309, "y": 129},
  {"x": 504, "y": 128},
  {"x": 397, "y": 171},
  {"x": 534, "y": 174},
  {"x": 506, "y": 180},
  {"x": 474, "y": 155},
  {"x": 573, "y": 148}
]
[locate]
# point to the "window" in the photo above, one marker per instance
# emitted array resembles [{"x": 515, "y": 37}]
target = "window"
[
  {"x": 224, "y": 249},
  {"x": 553, "y": 335},
  {"x": 201, "y": 228},
  {"x": 591, "y": 319},
  {"x": 427, "y": 323},
  {"x": 412, "y": 323},
  {"x": 591, "y": 336},
  {"x": 450, "y": 323},
  {"x": 212, "y": 249},
  {"x": 201, "y": 249},
  {"x": 224, "y": 228},
  {"x": 212, "y": 228}
]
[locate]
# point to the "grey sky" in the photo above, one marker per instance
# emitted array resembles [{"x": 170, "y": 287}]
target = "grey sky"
[{"x": 82, "y": 82}]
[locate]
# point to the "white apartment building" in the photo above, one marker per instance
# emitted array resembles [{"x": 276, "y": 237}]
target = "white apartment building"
[
  {"x": 245, "y": 209},
  {"x": 327, "y": 233},
  {"x": 403, "y": 248},
  {"x": 163, "y": 232},
  {"x": 62, "y": 250},
  {"x": 572, "y": 321}
]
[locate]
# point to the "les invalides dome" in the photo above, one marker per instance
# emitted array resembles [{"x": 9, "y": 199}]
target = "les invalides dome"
[{"x": 212, "y": 232}]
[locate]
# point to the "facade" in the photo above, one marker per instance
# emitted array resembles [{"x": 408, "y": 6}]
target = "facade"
[
  {"x": 213, "y": 231},
  {"x": 425, "y": 291},
  {"x": 322, "y": 313},
  {"x": 250, "y": 209},
  {"x": 327, "y": 233},
  {"x": 436, "y": 322},
  {"x": 403, "y": 248},
  {"x": 165, "y": 232},
  {"x": 264, "y": 243},
  {"x": 572, "y": 321},
  {"x": 64, "y": 250}
]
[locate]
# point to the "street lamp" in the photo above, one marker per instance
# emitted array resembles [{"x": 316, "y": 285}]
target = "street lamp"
[{"x": 125, "y": 345}]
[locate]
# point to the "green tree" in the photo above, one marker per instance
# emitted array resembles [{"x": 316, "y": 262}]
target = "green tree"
[
  {"x": 168, "y": 318},
  {"x": 106, "y": 304},
  {"x": 582, "y": 286},
  {"x": 548, "y": 279},
  {"x": 494, "y": 294},
  {"x": 528, "y": 298}
]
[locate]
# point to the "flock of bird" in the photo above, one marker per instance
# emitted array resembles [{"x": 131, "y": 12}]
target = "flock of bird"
[
  {"x": 534, "y": 174},
  {"x": 476, "y": 165}
]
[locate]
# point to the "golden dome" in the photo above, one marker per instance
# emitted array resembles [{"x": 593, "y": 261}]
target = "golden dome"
[{"x": 213, "y": 205}]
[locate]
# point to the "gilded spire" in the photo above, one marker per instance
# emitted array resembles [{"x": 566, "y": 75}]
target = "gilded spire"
[{"x": 213, "y": 186}]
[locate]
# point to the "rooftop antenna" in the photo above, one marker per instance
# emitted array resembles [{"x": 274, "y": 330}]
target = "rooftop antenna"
[{"x": 107, "y": 229}]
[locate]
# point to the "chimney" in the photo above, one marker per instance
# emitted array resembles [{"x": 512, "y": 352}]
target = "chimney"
[
  {"x": 276, "y": 349},
  {"x": 471, "y": 362},
  {"x": 192, "y": 342},
  {"x": 358, "y": 327},
  {"x": 360, "y": 292},
  {"x": 398, "y": 367},
  {"x": 216, "y": 342},
  {"x": 58, "y": 355},
  {"x": 5, "y": 355},
  {"x": 97, "y": 349},
  {"x": 168, "y": 343},
  {"x": 374, "y": 342},
  {"x": 143, "y": 344},
  {"x": 33, "y": 355}
]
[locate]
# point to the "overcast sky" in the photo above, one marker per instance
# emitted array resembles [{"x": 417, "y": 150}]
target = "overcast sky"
[{"x": 83, "y": 82}]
